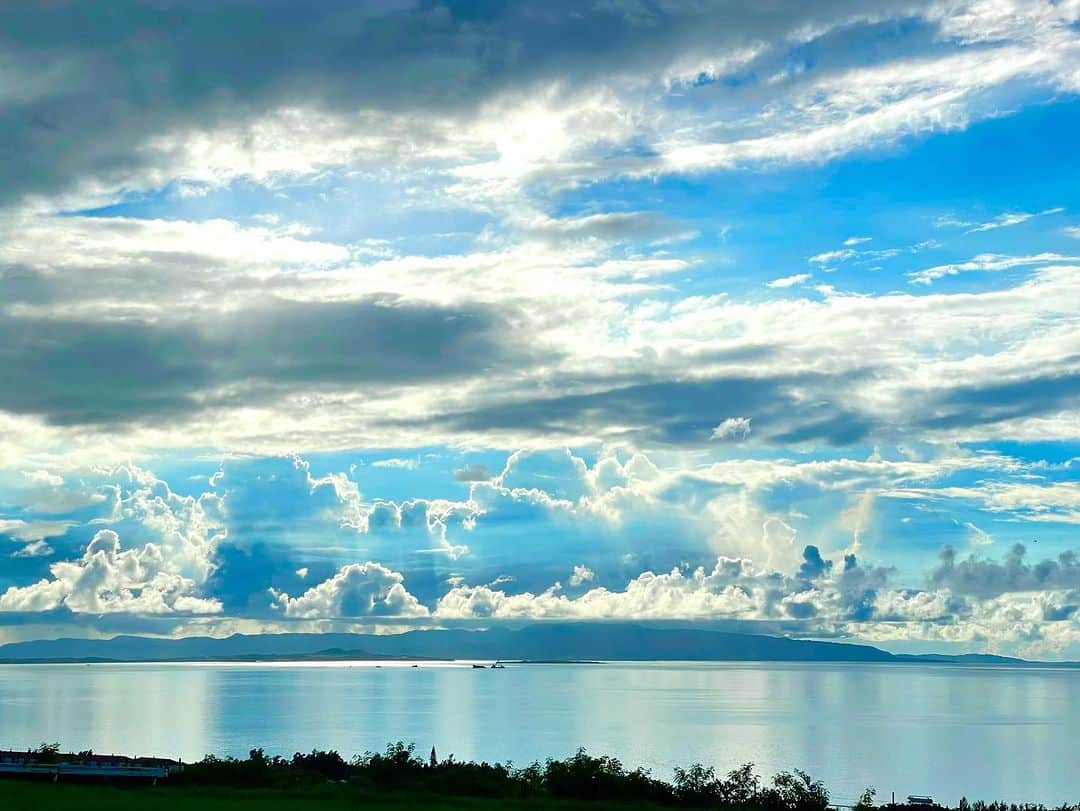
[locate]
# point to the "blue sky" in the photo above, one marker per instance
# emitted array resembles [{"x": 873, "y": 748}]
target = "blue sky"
[{"x": 467, "y": 314}]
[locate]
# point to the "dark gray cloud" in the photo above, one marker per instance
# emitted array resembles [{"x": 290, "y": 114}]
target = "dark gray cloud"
[
  {"x": 683, "y": 411},
  {"x": 984, "y": 579},
  {"x": 83, "y": 371},
  {"x": 813, "y": 565},
  {"x": 609, "y": 227},
  {"x": 1013, "y": 399},
  {"x": 859, "y": 585},
  {"x": 93, "y": 80}
]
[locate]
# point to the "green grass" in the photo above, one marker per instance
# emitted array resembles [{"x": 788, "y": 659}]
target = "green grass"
[{"x": 34, "y": 796}]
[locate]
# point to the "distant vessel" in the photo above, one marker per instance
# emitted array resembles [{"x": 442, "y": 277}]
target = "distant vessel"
[
  {"x": 915, "y": 799},
  {"x": 478, "y": 667}
]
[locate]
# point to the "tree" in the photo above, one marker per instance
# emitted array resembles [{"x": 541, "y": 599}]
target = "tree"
[
  {"x": 866, "y": 801},
  {"x": 47, "y": 752}
]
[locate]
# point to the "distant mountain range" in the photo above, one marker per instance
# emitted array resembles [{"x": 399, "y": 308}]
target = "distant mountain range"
[{"x": 574, "y": 642}]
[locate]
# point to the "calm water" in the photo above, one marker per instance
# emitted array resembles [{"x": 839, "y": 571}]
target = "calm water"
[{"x": 992, "y": 733}]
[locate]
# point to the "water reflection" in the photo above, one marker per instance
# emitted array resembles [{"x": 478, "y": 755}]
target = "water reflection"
[{"x": 985, "y": 732}]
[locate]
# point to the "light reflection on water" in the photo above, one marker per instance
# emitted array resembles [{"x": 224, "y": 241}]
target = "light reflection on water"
[{"x": 993, "y": 733}]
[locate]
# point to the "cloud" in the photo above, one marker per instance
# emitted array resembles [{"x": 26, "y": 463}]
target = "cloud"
[
  {"x": 472, "y": 473},
  {"x": 20, "y": 530},
  {"x": 459, "y": 231},
  {"x": 863, "y": 256},
  {"x": 733, "y": 590},
  {"x": 977, "y": 537},
  {"x": 503, "y": 93},
  {"x": 584, "y": 510},
  {"x": 581, "y": 575},
  {"x": 397, "y": 463},
  {"x": 611, "y": 227},
  {"x": 987, "y": 262},
  {"x": 829, "y": 257},
  {"x": 33, "y": 535},
  {"x": 985, "y": 578},
  {"x": 1009, "y": 398},
  {"x": 788, "y": 281},
  {"x": 34, "y": 549},
  {"x": 162, "y": 569},
  {"x": 676, "y": 412},
  {"x": 357, "y": 590},
  {"x": 732, "y": 428},
  {"x": 108, "y": 579},
  {"x": 177, "y": 367},
  {"x": 1006, "y": 220}
]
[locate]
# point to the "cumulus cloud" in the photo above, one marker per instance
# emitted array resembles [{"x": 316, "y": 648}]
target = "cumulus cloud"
[
  {"x": 357, "y": 590},
  {"x": 986, "y": 578},
  {"x": 163, "y": 570},
  {"x": 108, "y": 579},
  {"x": 732, "y": 428},
  {"x": 581, "y": 575},
  {"x": 734, "y": 589}
]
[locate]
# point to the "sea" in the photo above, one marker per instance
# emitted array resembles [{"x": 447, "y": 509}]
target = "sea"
[{"x": 948, "y": 731}]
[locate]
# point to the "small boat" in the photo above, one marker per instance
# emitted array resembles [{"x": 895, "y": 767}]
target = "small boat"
[
  {"x": 479, "y": 667},
  {"x": 498, "y": 666}
]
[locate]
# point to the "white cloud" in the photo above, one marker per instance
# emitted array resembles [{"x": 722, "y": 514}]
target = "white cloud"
[
  {"x": 581, "y": 575},
  {"x": 357, "y": 590},
  {"x": 162, "y": 576},
  {"x": 988, "y": 262},
  {"x": 1005, "y": 220},
  {"x": 1009, "y": 219},
  {"x": 397, "y": 463},
  {"x": 976, "y": 536},
  {"x": 788, "y": 281},
  {"x": 108, "y": 579},
  {"x": 34, "y": 549},
  {"x": 829, "y": 257},
  {"x": 44, "y": 477},
  {"x": 1038, "y": 501},
  {"x": 732, "y": 428},
  {"x": 29, "y": 531}
]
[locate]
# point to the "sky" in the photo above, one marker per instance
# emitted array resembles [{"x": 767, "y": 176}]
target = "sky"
[{"x": 391, "y": 315}]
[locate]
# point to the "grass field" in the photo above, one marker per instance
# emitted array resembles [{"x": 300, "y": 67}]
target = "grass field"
[{"x": 34, "y": 796}]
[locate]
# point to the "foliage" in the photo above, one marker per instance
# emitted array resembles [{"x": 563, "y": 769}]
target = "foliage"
[
  {"x": 581, "y": 778},
  {"x": 866, "y": 801},
  {"x": 796, "y": 791},
  {"x": 47, "y": 752}
]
